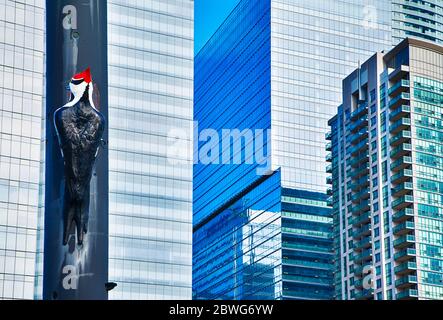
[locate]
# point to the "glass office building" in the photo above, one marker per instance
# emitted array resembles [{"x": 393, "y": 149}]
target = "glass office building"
[
  {"x": 276, "y": 65},
  {"x": 150, "y": 189},
  {"x": 21, "y": 90},
  {"x": 417, "y": 19},
  {"x": 386, "y": 173}
]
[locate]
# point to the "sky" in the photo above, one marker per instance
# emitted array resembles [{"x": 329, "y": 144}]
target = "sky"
[{"x": 209, "y": 15}]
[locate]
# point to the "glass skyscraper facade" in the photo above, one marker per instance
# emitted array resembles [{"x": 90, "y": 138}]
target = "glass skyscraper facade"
[
  {"x": 21, "y": 91},
  {"x": 277, "y": 65},
  {"x": 315, "y": 45},
  {"x": 386, "y": 176},
  {"x": 417, "y": 19},
  {"x": 150, "y": 56}
]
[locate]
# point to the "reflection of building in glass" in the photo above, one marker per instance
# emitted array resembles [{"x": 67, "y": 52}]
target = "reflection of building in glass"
[
  {"x": 21, "y": 88},
  {"x": 280, "y": 69},
  {"x": 150, "y": 94},
  {"x": 387, "y": 168}
]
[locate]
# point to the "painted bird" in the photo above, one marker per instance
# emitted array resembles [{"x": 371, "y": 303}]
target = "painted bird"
[{"x": 79, "y": 127}]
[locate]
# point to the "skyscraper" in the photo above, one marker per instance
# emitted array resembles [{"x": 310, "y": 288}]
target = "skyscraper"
[
  {"x": 21, "y": 91},
  {"x": 150, "y": 56},
  {"x": 150, "y": 196},
  {"x": 386, "y": 174},
  {"x": 273, "y": 65},
  {"x": 417, "y": 19}
]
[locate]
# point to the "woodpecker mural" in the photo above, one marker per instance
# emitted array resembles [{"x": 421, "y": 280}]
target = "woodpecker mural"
[{"x": 80, "y": 127}]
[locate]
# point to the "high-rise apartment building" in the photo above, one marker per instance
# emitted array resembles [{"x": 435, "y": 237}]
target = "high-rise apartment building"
[
  {"x": 387, "y": 168},
  {"x": 21, "y": 92}
]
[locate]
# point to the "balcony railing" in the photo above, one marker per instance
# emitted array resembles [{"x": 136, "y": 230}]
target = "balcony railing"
[
  {"x": 401, "y": 124},
  {"x": 401, "y": 150},
  {"x": 404, "y": 241},
  {"x": 401, "y": 137},
  {"x": 407, "y": 294},
  {"x": 405, "y": 267},
  {"x": 363, "y": 107},
  {"x": 361, "y": 219},
  {"x": 328, "y": 135},
  {"x": 361, "y": 195},
  {"x": 354, "y": 126},
  {"x": 402, "y": 189},
  {"x": 405, "y": 254},
  {"x": 401, "y": 111},
  {"x": 403, "y": 215},
  {"x": 401, "y": 163},
  {"x": 401, "y": 85},
  {"x": 402, "y": 176},
  {"x": 403, "y": 228},
  {"x": 363, "y": 231},
  {"x": 355, "y": 162},
  {"x": 355, "y": 138},
  {"x": 402, "y": 202},
  {"x": 406, "y": 281},
  {"x": 402, "y": 98}
]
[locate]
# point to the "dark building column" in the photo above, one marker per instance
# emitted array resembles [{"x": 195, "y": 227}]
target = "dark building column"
[{"x": 76, "y": 38}]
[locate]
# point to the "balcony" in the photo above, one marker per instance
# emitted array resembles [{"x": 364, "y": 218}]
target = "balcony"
[
  {"x": 404, "y": 228},
  {"x": 406, "y": 281},
  {"x": 402, "y": 189},
  {"x": 357, "y": 160},
  {"x": 362, "y": 207},
  {"x": 409, "y": 294},
  {"x": 358, "y": 124},
  {"x": 329, "y": 191},
  {"x": 328, "y": 136},
  {"x": 360, "y": 184},
  {"x": 365, "y": 255},
  {"x": 404, "y": 241},
  {"x": 364, "y": 243},
  {"x": 401, "y": 163},
  {"x": 405, "y": 254},
  {"x": 329, "y": 157},
  {"x": 403, "y": 202},
  {"x": 360, "y": 171},
  {"x": 359, "y": 233},
  {"x": 402, "y": 99},
  {"x": 400, "y": 72},
  {"x": 356, "y": 137},
  {"x": 361, "y": 219},
  {"x": 364, "y": 294},
  {"x": 329, "y": 168},
  {"x": 330, "y": 201},
  {"x": 361, "y": 195},
  {"x": 405, "y": 268},
  {"x": 402, "y": 111},
  {"x": 401, "y": 137},
  {"x": 401, "y": 150},
  {"x": 401, "y": 124},
  {"x": 403, "y": 215},
  {"x": 329, "y": 180},
  {"x": 400, "y": 86},
  {"x": 361, "y": 109},
  {"x": 360, "y": 147},
  {"x": 402, "y": 176},
  {"x": 329, "y": 146}
]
